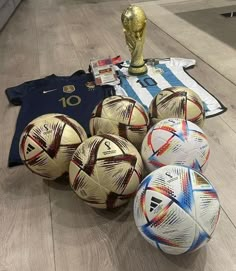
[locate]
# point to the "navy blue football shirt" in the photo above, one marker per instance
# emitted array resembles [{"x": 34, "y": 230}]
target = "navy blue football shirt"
[{"x": 75, "y": 96}]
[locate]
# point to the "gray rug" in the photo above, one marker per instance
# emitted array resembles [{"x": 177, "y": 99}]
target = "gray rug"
[{"x": 212, "y": 22}]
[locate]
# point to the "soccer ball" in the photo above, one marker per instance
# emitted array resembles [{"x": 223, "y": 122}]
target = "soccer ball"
[
  {"x": 105, "y": 171},
  {"x": 176, "y": 209},
  {"x": 121, "y": 116},
  {"x": 175, "y": 141},
  {"x": 48, "y": 143},
  {"x": 177, "y": 102}
]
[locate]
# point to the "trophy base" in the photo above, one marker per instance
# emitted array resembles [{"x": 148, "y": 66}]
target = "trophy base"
[{"x": 137, "y": 70}]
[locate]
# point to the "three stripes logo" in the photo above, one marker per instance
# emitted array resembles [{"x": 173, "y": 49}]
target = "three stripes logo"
[
  {"x": 154, "y": 203},
  {"x": 29, "y": 148}
]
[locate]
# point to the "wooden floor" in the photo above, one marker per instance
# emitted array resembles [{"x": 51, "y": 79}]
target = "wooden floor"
[{"x": 44, "y": 226}]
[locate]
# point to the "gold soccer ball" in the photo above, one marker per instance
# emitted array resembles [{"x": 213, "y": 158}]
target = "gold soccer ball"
[
  {"x": 105, "y": 171},
  {"x": 177, "y": 102},
  {"x": 121, "y": 116},
  {"x": 48, "y": 143}
]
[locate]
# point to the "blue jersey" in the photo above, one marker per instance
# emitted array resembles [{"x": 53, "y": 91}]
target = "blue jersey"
[{"x": 75, "y": 96}]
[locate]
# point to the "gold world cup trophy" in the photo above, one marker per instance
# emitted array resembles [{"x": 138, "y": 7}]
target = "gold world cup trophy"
[{"x": 134, "y": 25}]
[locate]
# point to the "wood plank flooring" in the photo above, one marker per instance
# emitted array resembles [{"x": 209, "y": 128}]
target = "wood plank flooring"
[{"x": 44, "y": 226}]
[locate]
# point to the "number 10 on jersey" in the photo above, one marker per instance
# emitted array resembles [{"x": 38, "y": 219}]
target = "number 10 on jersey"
[{"x": 72, "y": 100}]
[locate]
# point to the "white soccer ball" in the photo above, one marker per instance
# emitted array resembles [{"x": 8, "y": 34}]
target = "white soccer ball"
[
  {"x": 176, "y": 209},
  {"x": 121, "y": 116},
  {"x": 48, "y": 143},
  {"x": 105, "y": 171},
  {"x": 175, "y": 141}
]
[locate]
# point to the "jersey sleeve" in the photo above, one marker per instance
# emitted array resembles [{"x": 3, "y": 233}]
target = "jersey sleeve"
[
  {"x": 182, "y": 62},
  {"x": 16, "y": 94}
]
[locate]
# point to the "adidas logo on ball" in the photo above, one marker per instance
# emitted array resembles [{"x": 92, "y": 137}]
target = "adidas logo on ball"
[
  {"x": 154, "y": 203},
  {"x": 29, "y": 148}
]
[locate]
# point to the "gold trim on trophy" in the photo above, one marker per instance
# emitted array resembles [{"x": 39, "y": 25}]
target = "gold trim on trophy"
[{"x": 134, "y": 25}]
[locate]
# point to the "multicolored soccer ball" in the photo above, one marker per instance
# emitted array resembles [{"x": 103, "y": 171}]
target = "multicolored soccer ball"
[
  {"x": 48, "y": 143},
  {"x": 177, "y": 102},
  {"x": 175, "y": 141},
  {"x": 105, "y": 171},
  {"x": 176, "y": 209},
  {"x": 121, "y": 116}
]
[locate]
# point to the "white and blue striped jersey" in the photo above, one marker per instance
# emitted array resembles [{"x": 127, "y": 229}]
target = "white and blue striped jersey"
[{"x": 160, "y": 75}]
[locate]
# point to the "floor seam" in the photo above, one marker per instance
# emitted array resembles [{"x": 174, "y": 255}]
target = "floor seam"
[
  {"x": 223, "y": 210},
  {"x": 53, "y": 243}
]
